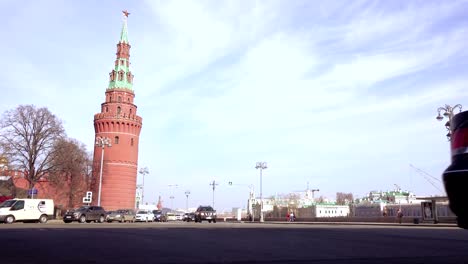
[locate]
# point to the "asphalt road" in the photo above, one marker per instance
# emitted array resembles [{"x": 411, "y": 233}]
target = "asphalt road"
[{"x": 229, "y": 243}]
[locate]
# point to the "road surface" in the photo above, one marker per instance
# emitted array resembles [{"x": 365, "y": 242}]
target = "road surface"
[{"x": 180, "y": 242}]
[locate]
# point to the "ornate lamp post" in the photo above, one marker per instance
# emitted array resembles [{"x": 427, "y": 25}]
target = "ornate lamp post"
[
  {"x": 102, "y": 142},
  {"x": 261, "y": 166},
  {"x": 448, "y": 112}
]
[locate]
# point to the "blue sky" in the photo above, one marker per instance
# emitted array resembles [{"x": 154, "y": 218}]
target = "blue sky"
[{"x": 339, "y": 94}]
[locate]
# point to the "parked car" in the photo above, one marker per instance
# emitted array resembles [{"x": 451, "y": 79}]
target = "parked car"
[
  {"x": 121, "y": 215},
  {"x": 24, "y": 210},
  {"x": 170, "y": 217},
  {"x": 85, "y": 214},
  {"x": 188, "y": 217},
  {"x": 179, "y": 216},
  {"x": 157, "y": 215},
  {"x": 206, "y": 213},
  {"x": 144, "y": 216}
]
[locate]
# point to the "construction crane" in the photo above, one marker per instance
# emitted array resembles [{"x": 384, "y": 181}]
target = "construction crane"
[{"x": 429, "y": 178}]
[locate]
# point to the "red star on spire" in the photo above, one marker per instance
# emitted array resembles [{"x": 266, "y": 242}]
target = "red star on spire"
[{"x": 126, "y": 13}]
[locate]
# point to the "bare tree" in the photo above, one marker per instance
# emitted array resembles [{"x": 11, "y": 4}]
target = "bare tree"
[
  {"x": 71, "y": 168},
  {"x": 344, "y": 198},
  {"x": 27, "y": 135}
]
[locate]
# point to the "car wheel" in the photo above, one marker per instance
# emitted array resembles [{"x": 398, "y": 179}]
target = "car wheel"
[
  {"x": 214, "y": 220},
  {"x": 43, "y": 219},
  {"x": 101, "y": 219},
  {"x": 82, "y": 219},
  {"x": 109, "y": 221},
  {"x": 66, "y": 221},
  {"x": 10, "y": 219},
  {"x": 209, "y": 221}
]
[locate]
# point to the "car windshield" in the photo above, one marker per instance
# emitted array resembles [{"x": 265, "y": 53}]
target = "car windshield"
[
  {"x": 141, "y": 212},
  {"x": 120, "y": 211},
  {"x": 83, "y": 208},
  {"x": 156, "y": 212},
  {"x": 7, "y": 203},
  {"x": 205, "y": 208}
]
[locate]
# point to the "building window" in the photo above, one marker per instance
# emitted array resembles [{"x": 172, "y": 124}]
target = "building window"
[
  {"x": 131, "y": 142},
  {"x": 107, "y": 109},
  {"x": 121, "y": 75},
  {"x": 130, "y": 111},
  {"x": 119, "y": 110},
  {"x": 120, "y": 99},
  {"x": 116, "y": 140}
]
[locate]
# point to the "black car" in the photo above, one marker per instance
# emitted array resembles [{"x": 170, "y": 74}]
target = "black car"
[
  {"x": 85, "y": 214},
  {"x": 188, "y": 217},
  {"x": 206, "y": 213},
  {"x": 158, "y": 216}
]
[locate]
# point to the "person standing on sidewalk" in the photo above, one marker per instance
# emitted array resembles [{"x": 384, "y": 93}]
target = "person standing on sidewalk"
[{"x": 399, "y": 215}]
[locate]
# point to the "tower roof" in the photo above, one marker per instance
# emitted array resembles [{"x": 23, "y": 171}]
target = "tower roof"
[{"x": 121, "y": 77}]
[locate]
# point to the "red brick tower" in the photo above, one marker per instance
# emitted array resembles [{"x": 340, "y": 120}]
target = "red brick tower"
[{"x": 119, "y": 124}]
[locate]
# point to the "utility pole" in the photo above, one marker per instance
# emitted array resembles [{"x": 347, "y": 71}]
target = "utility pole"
[{"x": 213, "y": 184}]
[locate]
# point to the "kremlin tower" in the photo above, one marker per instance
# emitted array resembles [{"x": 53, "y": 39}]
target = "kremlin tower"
[{"x": 117, "y": 128}]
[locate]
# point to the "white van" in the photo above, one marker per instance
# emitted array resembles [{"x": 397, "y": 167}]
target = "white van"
[{"x": 39, "y": 210}]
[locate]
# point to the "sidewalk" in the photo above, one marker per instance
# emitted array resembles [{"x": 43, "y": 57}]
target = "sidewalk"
[{"x": 361, "y": 223}]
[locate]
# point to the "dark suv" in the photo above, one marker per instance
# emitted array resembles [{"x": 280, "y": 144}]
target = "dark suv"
[
  {"x": 205, "y": 213},
  {"x": 85, "y": 214}
]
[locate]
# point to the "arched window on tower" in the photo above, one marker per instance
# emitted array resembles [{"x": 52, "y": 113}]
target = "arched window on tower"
[
  {"x": 107, "y": 109},
  {"x": 119, "y": 110},
  {"x": 131, "y": 142},
  {"x": 130, "y": 111},
  {"x": 116, "y": 140},
  {"x": 129, "y": 77},
  {"x": 120, "y": 99},
  {"x": 121, "y": 75}
]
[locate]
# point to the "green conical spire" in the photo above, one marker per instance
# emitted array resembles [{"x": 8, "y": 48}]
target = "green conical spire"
[{"x": 124, "y": 33}]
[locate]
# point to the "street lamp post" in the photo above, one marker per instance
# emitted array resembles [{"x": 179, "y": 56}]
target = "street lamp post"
[
  {"x": 143, "y": 171},
  {"x": 172, "y": 195},
  {"x": 102, "y": 142},
  {"x": 213, "y": 183},
  {"x": 448, "y": 112},
  {"x": 172, "y": 202},
  {"x": 261, "y": 166},
  {"x": 187, "y": 194}
]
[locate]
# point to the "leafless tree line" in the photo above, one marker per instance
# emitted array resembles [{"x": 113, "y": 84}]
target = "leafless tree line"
[{"x": 34, "y": 141}]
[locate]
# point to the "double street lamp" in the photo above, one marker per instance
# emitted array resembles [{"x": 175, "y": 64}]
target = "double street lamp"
[
  {"x": 102, "y": 142},
  {"x": 143, "y": 171},
  {"x": 172, "y": 195},
  {"x": 261, "y": 166},
  {"x": 448, "y": 112}
]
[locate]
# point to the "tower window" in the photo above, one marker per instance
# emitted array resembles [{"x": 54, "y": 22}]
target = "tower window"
[
  {"x": 116, "y": 140},
  {"x": 120, "y": 99},
  {"x": 131, "y": 142},
  {"x": 119, "y": 110},
  {"x": 107, "y": 109},
  {"x": 121, "y": 75},
  {"x": 130, "y": 111}
]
